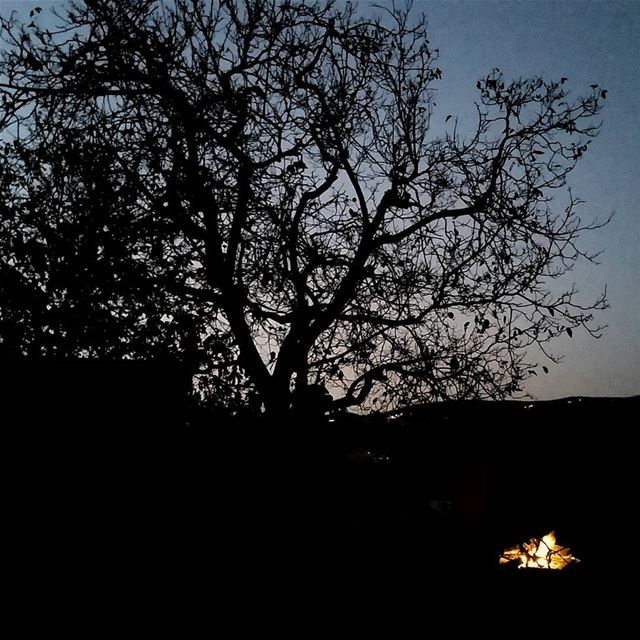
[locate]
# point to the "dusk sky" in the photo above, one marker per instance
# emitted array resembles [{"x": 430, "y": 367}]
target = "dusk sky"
[{"x": 587, "y": 41}]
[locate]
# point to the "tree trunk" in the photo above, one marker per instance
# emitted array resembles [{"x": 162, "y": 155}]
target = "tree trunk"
[{"x": 277, "y": 400}]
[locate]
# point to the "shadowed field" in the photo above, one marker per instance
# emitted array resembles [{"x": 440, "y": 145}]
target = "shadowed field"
[{"x": 125, "y": 504}]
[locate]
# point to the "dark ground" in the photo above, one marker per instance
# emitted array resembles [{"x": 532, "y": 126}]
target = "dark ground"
[{"x": 113, "y": 510}]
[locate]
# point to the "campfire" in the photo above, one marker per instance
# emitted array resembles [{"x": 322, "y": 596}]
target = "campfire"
[{"x": 539, "y": 553}]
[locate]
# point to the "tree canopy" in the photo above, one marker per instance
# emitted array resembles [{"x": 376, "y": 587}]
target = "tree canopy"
[{"x": 261, "y": 185}]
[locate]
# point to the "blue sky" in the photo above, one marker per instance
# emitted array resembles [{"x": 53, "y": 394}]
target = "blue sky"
[{"x": 588, "y": 41}]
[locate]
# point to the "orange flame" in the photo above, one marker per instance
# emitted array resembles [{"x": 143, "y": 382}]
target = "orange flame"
[{"x": 539, "y": 553}]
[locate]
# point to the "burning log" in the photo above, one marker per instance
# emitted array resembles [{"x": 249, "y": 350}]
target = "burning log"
[{"x": 539, "y": 553}]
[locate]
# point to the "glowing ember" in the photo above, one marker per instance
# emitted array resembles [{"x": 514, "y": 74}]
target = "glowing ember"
[{"x": 539, "y": 553}]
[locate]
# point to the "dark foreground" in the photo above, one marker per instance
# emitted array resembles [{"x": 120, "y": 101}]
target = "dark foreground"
[{"x": 114, "y": 511}]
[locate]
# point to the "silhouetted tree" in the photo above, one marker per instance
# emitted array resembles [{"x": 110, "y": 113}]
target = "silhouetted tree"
[{"x": 265, "y": 176}]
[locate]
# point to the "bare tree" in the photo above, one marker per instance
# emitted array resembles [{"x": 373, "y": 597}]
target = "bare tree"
[{"x": 288, "y": 184}]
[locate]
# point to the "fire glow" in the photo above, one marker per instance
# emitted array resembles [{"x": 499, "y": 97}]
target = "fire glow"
[{"x": 539, "y": 553}]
